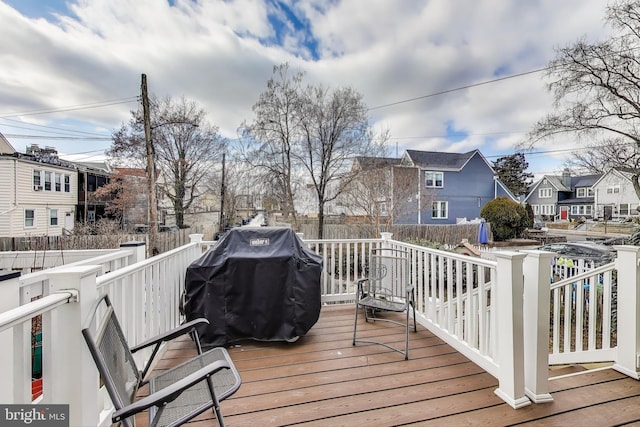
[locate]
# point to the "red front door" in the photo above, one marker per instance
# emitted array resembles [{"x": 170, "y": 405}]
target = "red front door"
[{"x": 564, "y": 212}]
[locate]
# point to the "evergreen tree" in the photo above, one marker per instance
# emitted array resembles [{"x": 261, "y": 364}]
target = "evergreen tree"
[{"x": 512, "y": 171}]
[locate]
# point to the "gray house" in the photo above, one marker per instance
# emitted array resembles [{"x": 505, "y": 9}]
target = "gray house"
[
  {"x": 563, "y": 197},
  {"x": 444, "y": 188}
]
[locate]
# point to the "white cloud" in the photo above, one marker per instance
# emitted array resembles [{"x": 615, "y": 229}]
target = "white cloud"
[{"x": 215, "y": 53}]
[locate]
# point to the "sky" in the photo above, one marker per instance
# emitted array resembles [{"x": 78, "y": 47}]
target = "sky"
[{"x": 438, "y": 75}]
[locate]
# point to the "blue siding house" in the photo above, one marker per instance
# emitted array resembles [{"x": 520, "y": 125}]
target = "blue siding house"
[{"x": 449, "y": 187}]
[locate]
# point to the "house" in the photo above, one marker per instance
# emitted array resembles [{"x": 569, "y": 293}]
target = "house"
[
  {"x": 39, "y": 192},
  {"x": 91, "y": 176},
  {"x": 369, "y": 194},
  {"x": 614, "y": 195},
  {"x": 444, "y": 188},
  {"x": 563, "y": 197}
]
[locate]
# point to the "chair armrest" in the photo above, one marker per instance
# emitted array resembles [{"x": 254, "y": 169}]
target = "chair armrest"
[
  {"x": 169, "y": 335},
  {"x": 170, "y": 393},
  {"x": 409, "y": 289}
]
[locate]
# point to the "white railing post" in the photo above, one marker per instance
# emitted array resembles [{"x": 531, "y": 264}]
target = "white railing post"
[
  {"x": 537, "y": 292},
  {"x": 628, "y": 311},
  {"x": 139, "y": 251},
  {"x": 196, "y": 238},
  {"x": 69, "y": 373},
  {"x": 508, "y": 328},
  {"x": 15, "y": 369}
]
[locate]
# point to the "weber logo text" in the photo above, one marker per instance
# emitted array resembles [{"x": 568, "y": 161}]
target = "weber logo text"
[{"x": 34, "y": 415}]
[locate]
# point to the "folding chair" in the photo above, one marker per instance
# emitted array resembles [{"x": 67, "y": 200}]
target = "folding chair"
[
  {"x": 386, "y": 289},
  {"x": 176, "y": 395}
]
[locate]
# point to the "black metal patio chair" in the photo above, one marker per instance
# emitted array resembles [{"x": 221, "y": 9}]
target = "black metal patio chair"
[
  {"x": 175, "y": 395},
  {"x": 386, "y": 289}
]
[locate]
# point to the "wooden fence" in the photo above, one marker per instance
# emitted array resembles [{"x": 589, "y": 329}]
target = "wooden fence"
[
  {"x": 450, "y": 234},
  {"x": 166, "y": 241}
]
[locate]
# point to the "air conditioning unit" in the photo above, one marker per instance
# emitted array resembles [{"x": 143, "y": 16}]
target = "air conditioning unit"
[{"x": 37, "y": 187}]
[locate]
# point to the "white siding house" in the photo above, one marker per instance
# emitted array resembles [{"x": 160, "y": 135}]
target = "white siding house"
[
  {"x": 614, "y": 195},
  {"x": 36, "y": 198}
]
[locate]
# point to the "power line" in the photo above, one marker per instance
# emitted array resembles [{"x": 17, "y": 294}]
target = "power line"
[
  {"x": 72, "y": 108},
  {"x": 456, "y": 89},
  {"x": 58, "y": 138},
  {"x": 35, "y": 126}
]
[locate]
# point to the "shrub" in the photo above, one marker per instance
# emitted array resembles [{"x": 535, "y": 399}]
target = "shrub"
[{"x": 508, "y": 219}]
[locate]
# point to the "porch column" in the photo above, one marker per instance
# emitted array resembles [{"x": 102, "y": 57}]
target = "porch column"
[
  {"x": 70, "y": 375},
  {"x": 508, "y": 328},
  {"x": 537, "y": 290},
  {"x": 628, "y": 310}
]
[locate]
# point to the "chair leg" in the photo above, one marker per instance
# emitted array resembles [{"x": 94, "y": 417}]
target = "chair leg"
[
  {"x": 406, "y": 337},
  {"x": 355, "y": 325}
]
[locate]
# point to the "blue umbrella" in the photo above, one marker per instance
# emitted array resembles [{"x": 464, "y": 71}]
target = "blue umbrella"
[{"x": 483, "y": 234}]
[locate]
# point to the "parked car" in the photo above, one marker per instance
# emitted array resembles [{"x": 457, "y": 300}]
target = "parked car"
[
  {"x": 164, "y": 228},
  {"x": 600, "y": 254}
]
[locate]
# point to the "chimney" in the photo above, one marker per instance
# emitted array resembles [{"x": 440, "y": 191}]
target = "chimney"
[{"x": 566, "y": 178}]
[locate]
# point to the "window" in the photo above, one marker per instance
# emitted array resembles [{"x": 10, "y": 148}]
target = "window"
[
  {"x": 58, "y": 181},
  {"x": 548, "y": 209},
  {"x": 581, "y": 210},
  {"x": 439, "y": 210},
  {"x": 584, "y": 192},
  {"x": 29, "y": 218},
  {"x": 53, "y": 217},
  {"x": 47, "y": 181},
  {"x": 67, "y": 183},
  {"x": 613, "y": 190},
  {"x": 536, "y": 209},
  {"x": 37, "y": 179},
  {"x": 544, "y": 193},
  {"x": 434, "y": 179},
  {"x": 624, "y": 209}
]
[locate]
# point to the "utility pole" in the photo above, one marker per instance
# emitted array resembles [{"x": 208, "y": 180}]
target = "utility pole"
[
  {"x": 151, "y": 171},
  {"x": 222, "y": 220}
]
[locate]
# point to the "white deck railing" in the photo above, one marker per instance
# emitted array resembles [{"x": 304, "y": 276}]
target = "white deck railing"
[{"x": 474, "y": 304}]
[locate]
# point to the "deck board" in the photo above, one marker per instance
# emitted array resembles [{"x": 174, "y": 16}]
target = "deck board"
[{"x": 323, "y": 380}]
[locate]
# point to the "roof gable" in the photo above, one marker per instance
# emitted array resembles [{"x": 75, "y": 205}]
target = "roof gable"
[{"x": 443, "y": 161}]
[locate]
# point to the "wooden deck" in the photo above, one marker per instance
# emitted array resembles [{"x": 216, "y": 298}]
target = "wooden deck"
[{"x": 322, "y": 380}]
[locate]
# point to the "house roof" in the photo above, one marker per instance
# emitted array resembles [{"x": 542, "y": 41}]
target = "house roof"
[
  {"x": 584, "y": 181},
  {"x": 440, "y": 160},
  {"x": 622, "y": 174},
  {"x": 132, "y": 172},
  {"x": 376, "y": 162},
  {"x": 5, "y": 146}
]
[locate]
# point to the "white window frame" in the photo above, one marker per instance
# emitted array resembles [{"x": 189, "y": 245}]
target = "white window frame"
[
  {"x": 54, "y": 220},
  {"x": 437, "y": 208},
  {"x": 581, "y": 210},
  {"x": 545, "y": 193},
  {"x": 32, "y": 219},
  {"x": 37, "y": 178},
  {"x": 614, "y": 189},
  {"x": 48, "y": 186},
  {"x": 547, "y": 209},
  {"x": 433, "y": 177},
  {"x": 67, "y": 183}
]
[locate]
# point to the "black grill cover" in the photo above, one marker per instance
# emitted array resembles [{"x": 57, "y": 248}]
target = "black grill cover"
[{"x": 260, "y": 283}]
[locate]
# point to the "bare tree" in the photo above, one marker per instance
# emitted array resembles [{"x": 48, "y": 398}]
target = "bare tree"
[
  {"x": 272, "y": 135},
  {"x": 597, "y": 95},
  {"x": 381, "y": 191},
  {"x": 184, "y": 143},
  {"x": 120, "y": 196},
  {"x": 335, "y": 130}
]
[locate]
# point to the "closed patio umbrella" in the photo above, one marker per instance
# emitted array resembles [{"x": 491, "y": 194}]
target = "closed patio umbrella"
[{"x": 483, "y": 234}]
